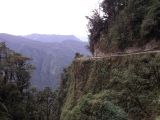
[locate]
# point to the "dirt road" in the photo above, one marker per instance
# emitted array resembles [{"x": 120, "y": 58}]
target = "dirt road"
[{"x": 115, "y": 55}]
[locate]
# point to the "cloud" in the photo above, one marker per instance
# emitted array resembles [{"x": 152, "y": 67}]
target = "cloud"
[{"x": 45, "y": 16}]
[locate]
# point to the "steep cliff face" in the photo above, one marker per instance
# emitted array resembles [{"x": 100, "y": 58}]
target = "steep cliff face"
[
  {"x": 115, "y": 85},
  {"x": 116, "y": 88},
  {"x": 122, "y": 25},
  {"x": 49, "y": 57}
]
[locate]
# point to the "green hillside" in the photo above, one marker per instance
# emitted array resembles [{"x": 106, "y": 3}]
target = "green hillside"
[
  {"x": 125, "y": 24},
  {"x": 121, "y": 81},
  {"x": 118, "y": 88},
  {"x": 113, "y": 86}
]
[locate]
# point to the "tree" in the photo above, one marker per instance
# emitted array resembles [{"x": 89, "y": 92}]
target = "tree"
[
  {"x": 4, "y": 115},
  {"x": 14, "y": 82},
  {"x": 78, "y": 55},
  {"x": 112, "y": 7},
  {"x": 95, "y": 27},
  {"x": 150, "y": 25},
  {"x": 46, "y": 100}
]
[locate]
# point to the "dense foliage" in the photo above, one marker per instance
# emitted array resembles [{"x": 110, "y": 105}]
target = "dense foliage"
[
  {"x": 41, "y": 105},
  {"x": 48, "y": 58},
  {"x": 124, "y": 24},
  {"x": 14, "y": 82},
  {"x": 119, "y": 88},
  {"x": 112, "y": 88},
  {"x": 18, "y": 101}
]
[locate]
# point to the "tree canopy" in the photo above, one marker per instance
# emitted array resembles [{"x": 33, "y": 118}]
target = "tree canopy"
[{"x": 124, "y": 24}]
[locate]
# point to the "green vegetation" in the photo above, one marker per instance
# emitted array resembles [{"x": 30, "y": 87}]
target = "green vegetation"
[
  {"x": 108, "y": 88},
  {"x": 118, "y": 88},
  {"x": 41, "y": 105},
  {"x": 124, "y": 24},
  {"x": 14, "y": 82},
  {"x": 94, "y": 107},
  {"x": 17, "y": 100}
]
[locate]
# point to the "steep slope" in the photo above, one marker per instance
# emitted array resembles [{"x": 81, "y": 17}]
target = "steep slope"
[
  {"x": 122, "y": 79},
  {"x": 117, "y": 88},
  {"x": 48, "y": 58},
  {"x": 125, "y": 25}
]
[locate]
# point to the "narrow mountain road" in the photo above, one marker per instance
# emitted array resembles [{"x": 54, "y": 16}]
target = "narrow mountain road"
[{"x": 115, "y": 55}]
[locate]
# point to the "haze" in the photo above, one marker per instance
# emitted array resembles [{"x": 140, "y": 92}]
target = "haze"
[{"x": 21, "y": 17}]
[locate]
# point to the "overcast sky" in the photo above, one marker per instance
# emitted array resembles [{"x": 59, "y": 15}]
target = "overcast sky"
[{"x": 21, "y": 17}]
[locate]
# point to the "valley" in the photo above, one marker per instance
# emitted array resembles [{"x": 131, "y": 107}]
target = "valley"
[{"x": 49, "y": 58}]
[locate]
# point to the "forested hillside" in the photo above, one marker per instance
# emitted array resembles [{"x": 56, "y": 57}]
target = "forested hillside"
[
  {"x": 18, "y": 100},
  {"x": 119, "y": 82},
  {"x": 49, "y": 58},
  {"x": 114, "y": 85},
  {"x": 14, "y": 82},
  {"x": 122, "y": 25},
  {"x": 117, "y": 88}
]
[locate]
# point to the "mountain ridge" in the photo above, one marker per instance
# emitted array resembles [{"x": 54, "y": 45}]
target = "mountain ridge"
[
  {"x": 51, "y": 37},
  {"x": 48, "y": 58}
]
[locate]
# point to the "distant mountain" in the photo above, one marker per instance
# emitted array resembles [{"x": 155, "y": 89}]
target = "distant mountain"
[
  {"x": 51, "y": 38},
  {"x": 48, "y": 58}
]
